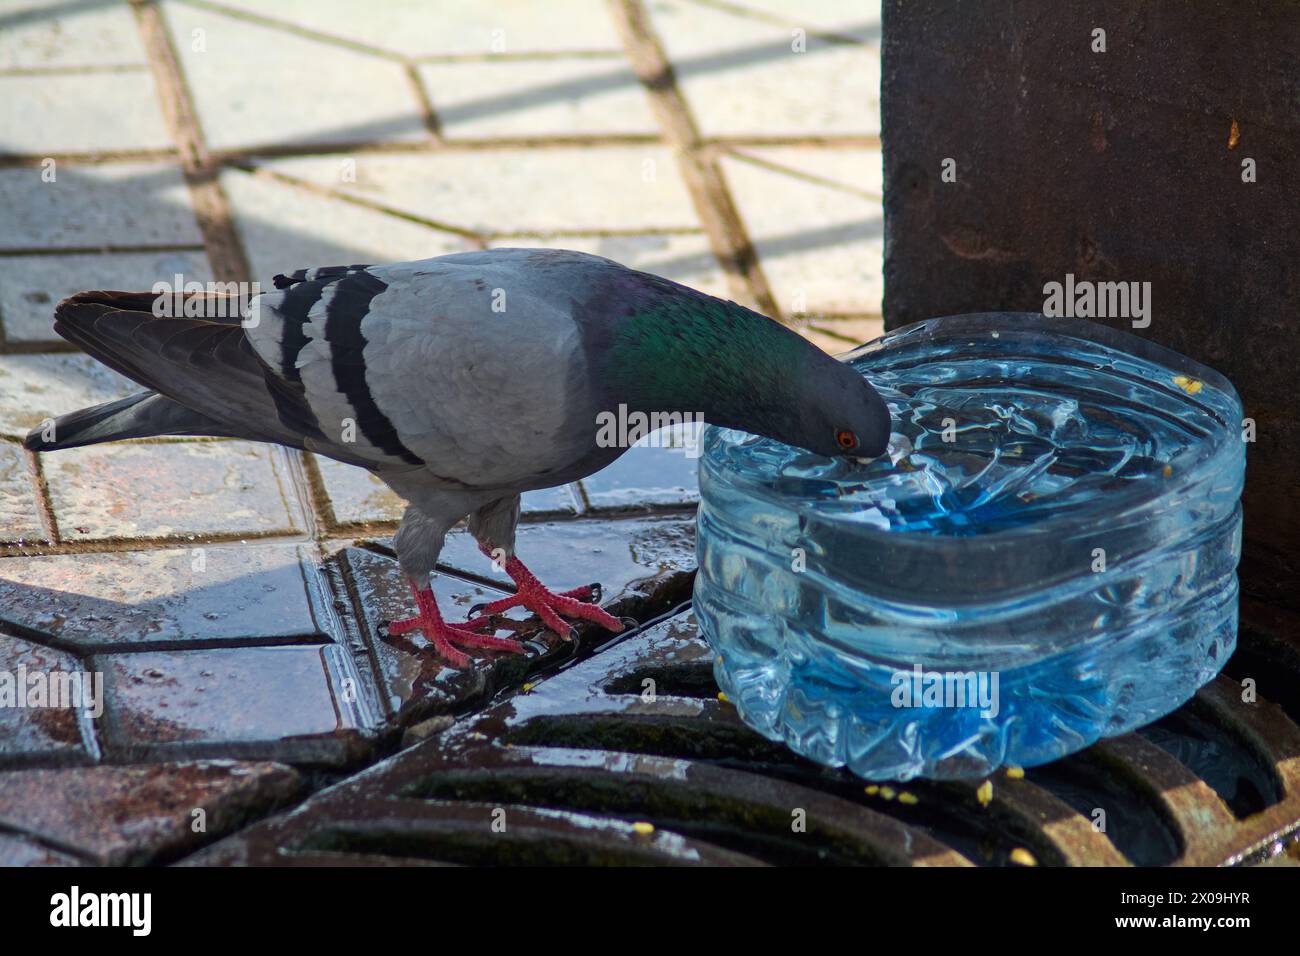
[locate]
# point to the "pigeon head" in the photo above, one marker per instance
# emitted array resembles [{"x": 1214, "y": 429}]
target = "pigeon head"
[{"x": 678, "y": 350}]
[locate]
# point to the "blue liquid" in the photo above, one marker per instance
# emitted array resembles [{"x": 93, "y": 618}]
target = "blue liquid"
[{"x": 1053, "y": 533}]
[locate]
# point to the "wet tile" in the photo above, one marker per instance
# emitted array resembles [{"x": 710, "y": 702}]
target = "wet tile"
[
  {"x": 687, "y": 259},
  {"x": 30, "y": 286},
  {"x": 254, "y": 85},
  {"x": 512, "y": 191},
  {"x": 742, "y": 75},
  {"x": 16, "y": 851},
  {"x": 557, "y": 501},
  {"x": 114, "y": 204},
  {"x": 412, "y": 678},
  {"x": 142, "y": 598},
  {"x": 37, "y": 387},
  {"x": 285, "y": 227},
  {"x": 166, "y": 490},
  {"x": 54, "y": 33},
  {"x": 512, "y": 99},
  {"x": 651, "y": 473},
  {"x": 453, "y": 27},
  {"x": 20, "y": 519},
  {"x": 47, "y": 114},
  {"x": 626, "y": 556},
  {"x": 284, "y": 703},
  {"x": 40, "y": 692},
  {"x": 132, "y": 815},
  {"x": 819, "y": 240}
]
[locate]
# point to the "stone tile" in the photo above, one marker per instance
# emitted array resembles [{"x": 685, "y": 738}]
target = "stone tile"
[
  {"x": 741, "y": 76},
  {"x": 257, "y": 86},
  {"x": 513, "y": 191},
  {"x": 687, "y": 259},
  {"x": 284, "y": 227},
  {"x": 659, "y": 470},
  {"x": 40, "y": 115},
  {"x": 285, "y": 703},
  {"x": 30, "y": 286},
  {"x": 210, "y": 593},
  {"x": 520, "y": 98},
  {"x": 355, "y": 495},
  {"x": 20, "y": 519},
  {"x": 16, "y": 851},
  {"x": 31, "y": 728},
  {"x": 36, "y": 34},
  {"x": 416, "y": 28},
  {"x": 115, "y": 204},
  {"x": 37, "y": 387},
  {"x": 820, "y": 246},
  {"x": 623, "y": 555},
  {"x": 169, "y": 489},
  {"x": 131, "y": 815},
  {"x": 859, "y": 19}
]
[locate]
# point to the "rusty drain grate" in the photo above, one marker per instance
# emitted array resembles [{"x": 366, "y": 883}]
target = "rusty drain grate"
[{"x": 573, "y": 771}]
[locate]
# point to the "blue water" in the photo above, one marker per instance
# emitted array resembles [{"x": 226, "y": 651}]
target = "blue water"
[{"x": 1055, "y": 525}]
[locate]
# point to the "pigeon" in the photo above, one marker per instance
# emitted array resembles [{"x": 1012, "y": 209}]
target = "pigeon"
[{"x": 462, "y": 381}]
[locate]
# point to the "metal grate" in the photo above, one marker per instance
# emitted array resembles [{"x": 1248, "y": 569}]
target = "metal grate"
[{"x": 629, "y": 757}]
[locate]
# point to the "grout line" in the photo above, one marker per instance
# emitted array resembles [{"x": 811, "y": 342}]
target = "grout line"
[
  {"x": 92, "y": 158},
  {"x": 262, "y": 172},
  {"x": 793, "y": 173},
  {"x": 243, "y": 155},
  {"x": 210, "y": 206},
  {"x": 294, "y": 29},
  {"x": 91, "y": 70},
  {"x": 427, "y": 111},
  {"x": 16, "y": 251},
  {"x": 702, "y": 174},
  {"x": 44, "y": 504}
]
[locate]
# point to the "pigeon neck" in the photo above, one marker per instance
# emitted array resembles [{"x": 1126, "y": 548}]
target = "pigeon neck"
[{"x": 699, "y": 355}]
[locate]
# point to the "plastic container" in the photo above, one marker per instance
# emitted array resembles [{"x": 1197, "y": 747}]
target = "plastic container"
[{"x": 1045, "y": 556}]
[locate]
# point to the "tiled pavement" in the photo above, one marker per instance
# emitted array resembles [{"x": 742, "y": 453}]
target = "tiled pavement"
[{"x": 230, "y": 593}]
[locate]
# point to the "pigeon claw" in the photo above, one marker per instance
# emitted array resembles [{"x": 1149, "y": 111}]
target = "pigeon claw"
[
  {"x": 446, "y": 638},
  {"x": 547, "y": 604}
]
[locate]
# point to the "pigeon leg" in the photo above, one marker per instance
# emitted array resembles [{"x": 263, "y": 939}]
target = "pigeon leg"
[
  {"x": 548, "y": 604},
  {"x": 444, "y": 636}
]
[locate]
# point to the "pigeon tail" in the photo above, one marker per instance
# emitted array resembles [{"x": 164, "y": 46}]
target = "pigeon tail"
[{"x": 142, "y": 415}]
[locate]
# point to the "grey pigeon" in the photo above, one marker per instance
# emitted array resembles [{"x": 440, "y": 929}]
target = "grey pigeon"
[{"x": 462, "y": 381}]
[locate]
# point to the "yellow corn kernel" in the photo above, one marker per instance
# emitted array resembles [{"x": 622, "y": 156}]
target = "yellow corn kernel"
[
  {"x": 908, "y": 798},
  {"x": 985, "y": 793},
  {"x": 1022, "y": 857},
  {"x": 1189, "y": 385},
  {"x": 887, "y": 793},
  {"x": 1016, "y": 773},
  {"x": 641, "y": 828}
]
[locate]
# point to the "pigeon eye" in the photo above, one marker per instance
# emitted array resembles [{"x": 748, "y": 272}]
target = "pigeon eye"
[{"x": 846, "y": 439}]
